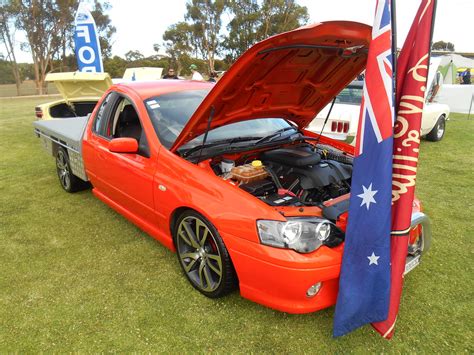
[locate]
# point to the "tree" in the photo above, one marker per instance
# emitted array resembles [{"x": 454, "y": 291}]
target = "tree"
[
  {"x": 279, "y": 16},
  {"x": 115, "y": 66},
  {"x": 177, "y": 44},
  {"x": 38, "y": 18},
  {"x": 104, "y": 26},
  {"x": 7, "y": 37},
  {"x": 132, "y": 56},
  {"x": 204, "y": 17},
  {"x": 62, "y": 39},
  {"x": 242, "y": 28},
  {"x": 254, "y": 21},
  {"x": 49, "y": 26},
  {"x": 443, "y": 46}
]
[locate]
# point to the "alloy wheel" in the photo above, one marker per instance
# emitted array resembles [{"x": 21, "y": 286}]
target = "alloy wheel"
[
  {"x": 198, "y": 254},
  {"x": 63, "y": 170}
]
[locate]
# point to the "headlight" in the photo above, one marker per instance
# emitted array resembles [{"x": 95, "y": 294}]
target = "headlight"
[{"x": 303, "y": 235}]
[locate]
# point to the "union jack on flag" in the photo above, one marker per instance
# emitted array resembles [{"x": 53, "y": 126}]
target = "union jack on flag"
[
  {"x": 364, "y": 284},
  {"x": 377, "y": 102}
]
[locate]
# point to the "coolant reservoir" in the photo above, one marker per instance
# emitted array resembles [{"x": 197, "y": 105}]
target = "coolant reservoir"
[{"x": 249, "y": 172}]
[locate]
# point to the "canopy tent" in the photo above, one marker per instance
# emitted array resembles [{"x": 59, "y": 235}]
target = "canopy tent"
[{"x": 450, "y": 65}]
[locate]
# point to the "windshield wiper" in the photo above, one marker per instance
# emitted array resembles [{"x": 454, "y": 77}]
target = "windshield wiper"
[
  {"x": 229, "y": 142},
  {"x": 274, "y": 135}
]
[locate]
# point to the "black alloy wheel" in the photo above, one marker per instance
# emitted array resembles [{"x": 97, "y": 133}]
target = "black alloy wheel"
[
  {"x": 203, "y": 255},
  {"x": 68, "y": 180}
]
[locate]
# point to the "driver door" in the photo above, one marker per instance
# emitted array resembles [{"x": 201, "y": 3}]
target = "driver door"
[{"x": 125, "y": 178}]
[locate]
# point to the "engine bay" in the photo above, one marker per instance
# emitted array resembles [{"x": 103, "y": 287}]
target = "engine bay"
[{"x": 298, "y": 175}]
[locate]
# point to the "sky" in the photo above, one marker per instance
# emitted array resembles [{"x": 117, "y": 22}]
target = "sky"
[{"x": 141, "y": 23}]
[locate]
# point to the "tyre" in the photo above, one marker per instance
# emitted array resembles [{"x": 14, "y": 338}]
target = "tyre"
[
  {"x": 203, "y": 255},
  {"x": 69, "y": 182},
  {"x": 437, "y": 133}
]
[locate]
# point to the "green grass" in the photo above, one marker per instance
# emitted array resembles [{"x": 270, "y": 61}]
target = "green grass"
[
  {"x": 76, "y": 276},
  {"x": 26, "y": 88}
]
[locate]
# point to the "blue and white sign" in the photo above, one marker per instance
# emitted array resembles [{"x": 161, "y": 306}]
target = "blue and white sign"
[{"x": 87, "y": 43}]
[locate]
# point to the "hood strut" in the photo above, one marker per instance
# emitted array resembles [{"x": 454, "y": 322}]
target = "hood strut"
[{"x": 204, "y": 139}]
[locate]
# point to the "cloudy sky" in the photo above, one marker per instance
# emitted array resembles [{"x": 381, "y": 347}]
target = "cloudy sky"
[{"x": 141, "y": 23}]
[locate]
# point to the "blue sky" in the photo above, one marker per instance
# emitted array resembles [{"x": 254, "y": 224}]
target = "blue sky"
[{"x": 141, "y": 23}]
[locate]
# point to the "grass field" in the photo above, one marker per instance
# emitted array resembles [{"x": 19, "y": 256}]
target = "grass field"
[
  {"x": 76, "y": 276},
  {"x": 26, "y": 88}
]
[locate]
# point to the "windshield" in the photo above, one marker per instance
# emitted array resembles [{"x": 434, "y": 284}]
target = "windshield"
[
  {"x": 169, "y": 113},
  {"x": 351, "y": 95},
  {"x": 256, "y": 128}
]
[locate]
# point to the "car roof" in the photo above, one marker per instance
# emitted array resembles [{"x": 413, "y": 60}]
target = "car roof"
[
  {"x": 356, "y": 84},
  {"x": 147, "y": 89}
]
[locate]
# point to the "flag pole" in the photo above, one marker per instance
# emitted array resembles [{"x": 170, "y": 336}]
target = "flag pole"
[
  {"x": 435, "y": 3},
  {"x": 393, "y": 14}
]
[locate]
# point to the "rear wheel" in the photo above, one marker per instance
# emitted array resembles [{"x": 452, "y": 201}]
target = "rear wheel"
[
  {"x": 68, "y": 180},
  {"x": 203, "y": 255},
  {"x": 437, "y": 133}
]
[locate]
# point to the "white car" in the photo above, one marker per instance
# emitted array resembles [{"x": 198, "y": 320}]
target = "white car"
[{"x": 344, "y": 118}]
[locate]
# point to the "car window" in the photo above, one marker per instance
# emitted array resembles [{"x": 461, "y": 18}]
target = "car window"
[
  {"x": 258, "y": 128},
  {"x": 350, "y": 95},
  {"x": 125, "y": 122},
  {"x": 101, "y": 116},
  {"x": 169, "y": 113}
]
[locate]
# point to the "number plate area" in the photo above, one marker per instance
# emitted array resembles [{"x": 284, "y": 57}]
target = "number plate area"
[{"x": 412, "y": 262}]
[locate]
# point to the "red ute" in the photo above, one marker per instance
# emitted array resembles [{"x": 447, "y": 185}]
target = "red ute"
[{"x": 227, "y": 175}]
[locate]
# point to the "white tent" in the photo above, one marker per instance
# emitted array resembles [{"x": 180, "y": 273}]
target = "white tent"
[
  {"x": 449, "y": 65},
  {"x": 459, "y": 98}
]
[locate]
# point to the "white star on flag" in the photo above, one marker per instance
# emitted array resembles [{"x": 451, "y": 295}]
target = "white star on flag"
[
  {"x": 367, "y": 196},
  {"x": 373, "y": 259}
]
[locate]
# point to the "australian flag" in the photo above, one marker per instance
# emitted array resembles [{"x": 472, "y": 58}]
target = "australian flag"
[{"x": 364, "y": 285}]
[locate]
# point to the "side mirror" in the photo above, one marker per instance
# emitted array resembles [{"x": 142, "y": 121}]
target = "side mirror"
[{"x": 123, "y": 145}]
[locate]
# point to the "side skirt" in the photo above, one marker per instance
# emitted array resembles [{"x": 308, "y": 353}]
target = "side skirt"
[{"x": 139, "y": 222}]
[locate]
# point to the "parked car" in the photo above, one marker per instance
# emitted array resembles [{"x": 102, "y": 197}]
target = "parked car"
[
  {"x": 80, "y": 92},
  {"x": 344, "y": 117},
  {"x": 227, "y": 175}
]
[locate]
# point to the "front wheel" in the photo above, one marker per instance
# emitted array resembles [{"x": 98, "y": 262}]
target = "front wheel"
[
  {"x": 68, "y": 180},
  {"x": 203, "y": 255},
  {"x": 437, "y": 133}
]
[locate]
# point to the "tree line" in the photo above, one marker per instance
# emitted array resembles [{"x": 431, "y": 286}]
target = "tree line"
[
  {"x": 200, "y": 38},
  {"x": 48, "y": 26}
]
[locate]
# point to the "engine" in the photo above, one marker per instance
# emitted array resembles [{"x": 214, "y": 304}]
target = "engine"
[{"x": 296, "y": 176}]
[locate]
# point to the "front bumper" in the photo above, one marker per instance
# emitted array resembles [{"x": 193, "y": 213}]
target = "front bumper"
[{"x": 280, "y": 278}]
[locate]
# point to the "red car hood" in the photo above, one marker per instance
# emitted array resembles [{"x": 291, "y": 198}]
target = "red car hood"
[{"x": 292, "y": 75}]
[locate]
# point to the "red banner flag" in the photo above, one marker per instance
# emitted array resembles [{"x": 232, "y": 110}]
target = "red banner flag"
[{"x": 412, "y": 73}]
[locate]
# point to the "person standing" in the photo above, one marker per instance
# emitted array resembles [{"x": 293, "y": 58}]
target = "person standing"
[
  {"x": 212, "y": 77},
  {"x": 196, "y": 74},
  {"x": 170, "y": 75},
  {"x": 466, "y": 76}
]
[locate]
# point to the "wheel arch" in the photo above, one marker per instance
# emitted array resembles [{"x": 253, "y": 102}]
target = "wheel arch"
[
  {"x": 177, "y": 212},
  {"x": 55, "y": 147}
]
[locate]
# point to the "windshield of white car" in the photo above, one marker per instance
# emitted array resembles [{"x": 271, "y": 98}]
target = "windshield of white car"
[
  {"x": 169, "y": 113},
  {"x": 351, "y": 95}
]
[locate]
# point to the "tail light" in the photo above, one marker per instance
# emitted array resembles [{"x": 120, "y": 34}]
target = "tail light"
[
  {"x": 415, "y": 233},
  {"x": 339, "y": 126},
  {"x": 346, "y": 127},
  {"x": 38, "y": 112},
  {"x": 334, "y": 126}
]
